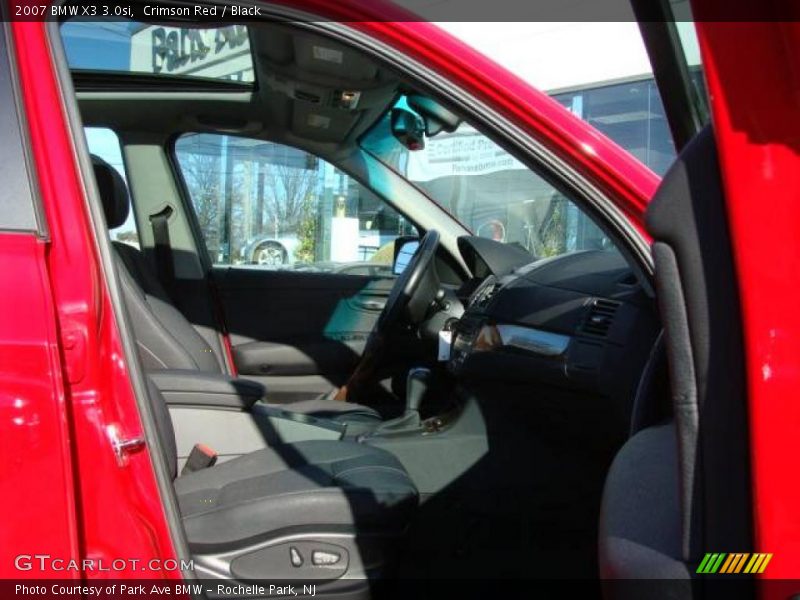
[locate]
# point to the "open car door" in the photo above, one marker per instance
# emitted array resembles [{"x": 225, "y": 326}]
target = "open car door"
[{"x": 696, "y": 493}]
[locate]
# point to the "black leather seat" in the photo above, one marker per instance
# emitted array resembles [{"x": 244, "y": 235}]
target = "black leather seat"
[
  {"x": 317, "y": 494},
  {"x": 164, "y": 337},
  {"x": 306, "y": 484}
]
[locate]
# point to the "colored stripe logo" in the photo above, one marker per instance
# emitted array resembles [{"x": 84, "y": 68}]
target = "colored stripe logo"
[{"x": 742, "y": 562}]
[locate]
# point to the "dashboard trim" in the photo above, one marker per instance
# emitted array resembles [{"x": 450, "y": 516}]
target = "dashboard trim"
[{"x": 533, "y": 340}]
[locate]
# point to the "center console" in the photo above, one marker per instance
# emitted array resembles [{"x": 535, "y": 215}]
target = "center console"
[{"x": 434, "y": 451}]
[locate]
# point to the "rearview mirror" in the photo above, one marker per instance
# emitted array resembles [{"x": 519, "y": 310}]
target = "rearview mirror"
[
  {"x": 408, "y": 128},
  {"x": 437, "y": 118},
  {"x": 404, "y": 249}
]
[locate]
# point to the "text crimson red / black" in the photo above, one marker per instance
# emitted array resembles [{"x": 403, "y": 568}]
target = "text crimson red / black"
[{"x": 202, "y": 11}]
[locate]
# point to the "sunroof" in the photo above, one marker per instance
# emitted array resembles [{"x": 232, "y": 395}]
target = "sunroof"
[{"x": 166, "y": 51}]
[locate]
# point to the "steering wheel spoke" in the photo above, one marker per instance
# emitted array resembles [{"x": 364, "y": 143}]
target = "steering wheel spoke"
[{"x": 410, "y": 298}]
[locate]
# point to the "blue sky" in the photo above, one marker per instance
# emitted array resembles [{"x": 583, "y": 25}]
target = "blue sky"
[{"x": 93, "y": 45}]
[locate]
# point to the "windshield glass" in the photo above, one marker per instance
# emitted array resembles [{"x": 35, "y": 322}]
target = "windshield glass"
[{"x": 487, "y": 190}]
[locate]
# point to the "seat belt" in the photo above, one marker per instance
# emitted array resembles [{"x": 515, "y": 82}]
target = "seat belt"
[
  {"x": 201, "y": 457},
  {"x": 163, "y": 249}
]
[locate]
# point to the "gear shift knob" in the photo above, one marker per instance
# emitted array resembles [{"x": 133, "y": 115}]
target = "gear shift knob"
[
  {"x": 416, "y": 387},
  {"x": 417, "y": 384}
]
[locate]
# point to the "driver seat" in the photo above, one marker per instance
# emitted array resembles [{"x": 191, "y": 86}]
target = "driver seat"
[{"x": 165, "y": 339}]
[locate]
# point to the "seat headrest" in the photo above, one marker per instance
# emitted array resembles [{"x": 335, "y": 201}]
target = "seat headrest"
[{"x": 113, "y": 192}]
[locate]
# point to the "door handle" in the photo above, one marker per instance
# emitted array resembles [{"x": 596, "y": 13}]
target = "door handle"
[
  {"x": 123, "y": 447},
  {"x": 375, "y": 305}
]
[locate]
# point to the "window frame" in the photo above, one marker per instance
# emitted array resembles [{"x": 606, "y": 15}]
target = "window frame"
[
  {"x": 27, "y": 214},
  {"x": 114, "y": 81},
  {"x": 686, "y": 109},
  {"x": 188, "y": 207}
]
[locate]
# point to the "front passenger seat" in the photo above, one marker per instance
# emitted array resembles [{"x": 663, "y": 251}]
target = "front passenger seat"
[
  {"x": 319, "y": 510},
  {"x": 164, "y": 337}
]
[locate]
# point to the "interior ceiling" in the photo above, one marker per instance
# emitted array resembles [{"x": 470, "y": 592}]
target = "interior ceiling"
[{"x": 303, "y": 81}]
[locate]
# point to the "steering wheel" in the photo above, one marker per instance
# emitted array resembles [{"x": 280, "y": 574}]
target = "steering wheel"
[
  {"x": 413, "y": 289},
  {"x": 412, "y": 293}
]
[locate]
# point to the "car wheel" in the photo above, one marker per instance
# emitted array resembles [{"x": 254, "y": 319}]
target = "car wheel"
[{"x": 270, "y": 254}]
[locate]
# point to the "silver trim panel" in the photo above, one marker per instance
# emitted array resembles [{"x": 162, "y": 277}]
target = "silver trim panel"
[{"x": 532, "y": 340}]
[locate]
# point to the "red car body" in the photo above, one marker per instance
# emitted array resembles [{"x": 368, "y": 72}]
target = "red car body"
[{"x": 64, "y": 379}]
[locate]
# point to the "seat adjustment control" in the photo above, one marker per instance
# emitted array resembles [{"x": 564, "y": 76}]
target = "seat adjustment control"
[
  {"x": 308, "y": 559},
  {"x": 322, "y": 558},
  {"x": 296, "y": 557}
]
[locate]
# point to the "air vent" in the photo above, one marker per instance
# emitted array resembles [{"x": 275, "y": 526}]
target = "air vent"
[{"x": 600, "y": 317}]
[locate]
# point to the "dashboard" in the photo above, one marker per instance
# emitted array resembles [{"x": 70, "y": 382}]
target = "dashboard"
[{"x": 580, "y": 321}]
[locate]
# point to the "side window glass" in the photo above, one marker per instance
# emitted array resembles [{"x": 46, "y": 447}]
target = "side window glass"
[
  {"x": 273, "y": 206},
  {"x": 104, "y": 143}
]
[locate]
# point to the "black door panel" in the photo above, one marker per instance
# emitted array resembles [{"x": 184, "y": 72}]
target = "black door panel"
[
  {"x": 298, "y": 324},
  {"x": 312, "y": 357}
]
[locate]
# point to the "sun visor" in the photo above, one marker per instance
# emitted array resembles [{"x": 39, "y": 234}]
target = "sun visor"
[{"x": 305, "y": 55}]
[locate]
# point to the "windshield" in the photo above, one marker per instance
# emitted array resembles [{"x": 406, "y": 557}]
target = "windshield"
[{"x": 487, "y": 190}]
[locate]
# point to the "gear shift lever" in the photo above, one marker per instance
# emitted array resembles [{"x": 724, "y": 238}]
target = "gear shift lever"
[{"x": 417, "y": 386}]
